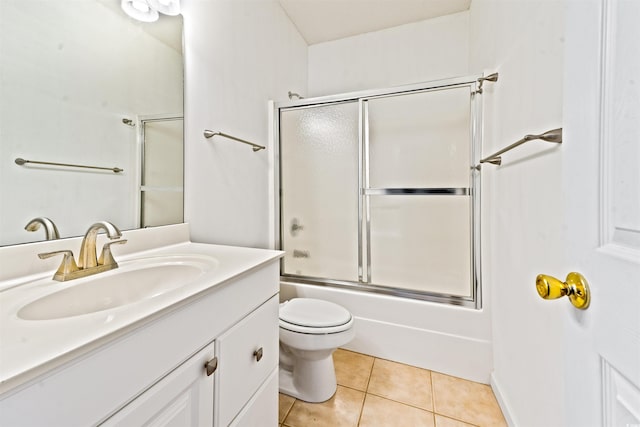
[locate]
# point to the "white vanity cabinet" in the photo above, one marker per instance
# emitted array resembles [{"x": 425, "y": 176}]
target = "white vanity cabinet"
[
  {"x": 154, "y": 373},
  {"x": 247, "y": 355},
  {"x": 182, "y": 398}
]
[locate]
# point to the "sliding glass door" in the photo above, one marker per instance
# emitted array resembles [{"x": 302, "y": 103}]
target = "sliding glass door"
[
  {"x": 319, "y": 191},
  {"x": 379, "y": 191},
  {"x": 417, "y": 186}
]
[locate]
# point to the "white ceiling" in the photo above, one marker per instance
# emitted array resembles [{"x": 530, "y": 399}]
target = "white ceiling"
[{"x": 324, "y": 20}]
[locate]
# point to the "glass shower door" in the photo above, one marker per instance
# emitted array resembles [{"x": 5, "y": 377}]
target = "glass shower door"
[
  {"x": 417, "y": 189},
  {"x": 319, "y": 191},
  {"x": 161, "y": 181},
  {"x": 379, "y": 192}
]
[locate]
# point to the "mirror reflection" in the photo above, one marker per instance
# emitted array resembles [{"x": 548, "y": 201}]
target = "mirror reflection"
[{"x": 82, "y": 84}]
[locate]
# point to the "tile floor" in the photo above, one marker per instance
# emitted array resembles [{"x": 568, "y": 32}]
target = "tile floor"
[{"x": 375, "y": 392}]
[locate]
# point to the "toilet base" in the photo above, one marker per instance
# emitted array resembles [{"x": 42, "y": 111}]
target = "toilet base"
[{"x": 309, "y": 380}]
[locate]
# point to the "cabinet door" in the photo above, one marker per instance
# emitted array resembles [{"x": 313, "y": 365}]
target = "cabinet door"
[
  {"x": 247, "y": 354},
  {"x": 181, "y": 399},
  {"x": 262, "y": 409}
]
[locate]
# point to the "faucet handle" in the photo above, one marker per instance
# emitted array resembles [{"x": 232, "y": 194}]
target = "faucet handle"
[
  {"x": 106, "y": 257},
  {"x": 67, "y": 266}
]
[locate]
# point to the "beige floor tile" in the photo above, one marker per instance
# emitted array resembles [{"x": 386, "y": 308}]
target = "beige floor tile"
[
  {"x": 342, "y": 410},
  {"x": 284, "y": 405},
  {"x": 466, "y": 400},
  {"x": 379, "y": 412},
  {"x": 352, "y": 369},
  {"x": 450, "y": 422},
  {"x": 402, "y": 383}
]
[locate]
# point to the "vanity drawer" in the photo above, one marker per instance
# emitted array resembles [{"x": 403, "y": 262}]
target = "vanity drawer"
[{"x": 247, "y": 354}]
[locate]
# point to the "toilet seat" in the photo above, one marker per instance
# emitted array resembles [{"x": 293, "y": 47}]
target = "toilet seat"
[{"x": 312, "y": 316}]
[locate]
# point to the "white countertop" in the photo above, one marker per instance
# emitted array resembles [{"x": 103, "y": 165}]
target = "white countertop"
[{"x": 29, "y": 348}]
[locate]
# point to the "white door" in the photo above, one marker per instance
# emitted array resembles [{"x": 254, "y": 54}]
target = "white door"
[{"x": 601, "y": 152}]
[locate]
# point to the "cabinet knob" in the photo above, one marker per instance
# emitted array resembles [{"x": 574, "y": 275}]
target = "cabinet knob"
[
  {"x": 258, "y": 354},
  {"x": 211, "y": 366}
]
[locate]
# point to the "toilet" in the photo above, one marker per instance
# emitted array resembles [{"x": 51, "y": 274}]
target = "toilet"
[{"x": 310, "y": 331}]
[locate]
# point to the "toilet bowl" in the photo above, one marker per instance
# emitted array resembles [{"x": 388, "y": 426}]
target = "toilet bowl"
[{"x": 310, "y": 331}]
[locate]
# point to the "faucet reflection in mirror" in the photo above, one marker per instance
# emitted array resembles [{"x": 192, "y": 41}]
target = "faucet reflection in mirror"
[
  {"x": 88, "y": 261},
  {"x": 147, "y": 10},
  {"x": 50, "y": 229}
]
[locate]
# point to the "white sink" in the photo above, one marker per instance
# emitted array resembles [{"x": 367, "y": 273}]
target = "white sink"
[{"x": 133, "y": 281}]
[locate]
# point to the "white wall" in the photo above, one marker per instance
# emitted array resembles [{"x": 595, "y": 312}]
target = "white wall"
[
  {"x": 428, "y": 50},
  {"x": 238, "y": 55},
  {"x": 522, "y": 203},
  {"x": 69, "y": 77}
]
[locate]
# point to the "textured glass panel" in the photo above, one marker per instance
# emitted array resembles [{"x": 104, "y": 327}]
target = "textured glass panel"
[
  {"x": 420, "y": 140},
  {"x": 163, "y": 148},
  {"x": 319, "y": 167},
  {"x": 422, "y": 243},
  {"x": 161, "y": 208}
]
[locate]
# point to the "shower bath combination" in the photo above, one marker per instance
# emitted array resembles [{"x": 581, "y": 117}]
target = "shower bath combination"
[{"x": 379, "y": 190}]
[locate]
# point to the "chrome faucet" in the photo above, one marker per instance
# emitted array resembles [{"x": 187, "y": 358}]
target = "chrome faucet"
[
  {"x": 88, "y": 261},
  {"x": 50, "y": 229}
]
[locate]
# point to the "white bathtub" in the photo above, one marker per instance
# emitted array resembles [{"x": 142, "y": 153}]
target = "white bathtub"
[{"x": 449, "y": 339}]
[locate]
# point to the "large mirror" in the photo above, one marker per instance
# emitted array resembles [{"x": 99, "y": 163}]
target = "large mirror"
[{"x": 83, "y": 84}]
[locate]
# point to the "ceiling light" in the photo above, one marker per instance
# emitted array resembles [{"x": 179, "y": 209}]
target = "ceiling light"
[
  {"x": 167, "y": 7},
  {"x": 140, "y": 10}
]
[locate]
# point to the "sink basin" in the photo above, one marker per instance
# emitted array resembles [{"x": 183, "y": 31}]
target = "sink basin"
[{"x": 133, "y": 281}]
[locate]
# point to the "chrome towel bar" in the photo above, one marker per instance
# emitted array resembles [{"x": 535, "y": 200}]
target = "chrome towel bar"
[
  {"x": 554, "y": 135},
  {"x": 20, "y": 161},
  {"x": 210, "y": 134}
]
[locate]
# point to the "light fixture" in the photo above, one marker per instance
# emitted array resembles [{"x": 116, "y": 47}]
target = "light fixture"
[
  {"x": 167, "y": 7},
  {"x": 140, "y": 10}
]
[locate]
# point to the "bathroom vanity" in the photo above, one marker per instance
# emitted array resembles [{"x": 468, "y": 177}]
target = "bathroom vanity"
[{"x": 204, "y": 352}]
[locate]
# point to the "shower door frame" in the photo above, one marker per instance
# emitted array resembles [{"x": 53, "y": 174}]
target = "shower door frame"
[
  {"x": 141, "y": 120},
  {"x": 473, "y": 82}
]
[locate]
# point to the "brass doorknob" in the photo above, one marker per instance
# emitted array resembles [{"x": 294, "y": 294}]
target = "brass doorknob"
[{"x": 575, "y": 287}]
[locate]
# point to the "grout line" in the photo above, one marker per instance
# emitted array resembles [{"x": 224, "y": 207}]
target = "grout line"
[
  {"x": 284, "y": 419},
  {"x": 402, "y": 403},
  {"x": 433, "y": 395},
  {"x": 361, "y": 409},
  {"x": 366, "y": 388},
  {"x": 456, "y": 419}
]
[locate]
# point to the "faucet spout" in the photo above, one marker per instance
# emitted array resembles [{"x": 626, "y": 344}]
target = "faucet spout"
[
  {"x": 50, "y": 229},
  {"x": 88, "y": 256}
]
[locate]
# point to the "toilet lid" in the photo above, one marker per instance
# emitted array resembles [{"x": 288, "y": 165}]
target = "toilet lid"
[{"x": 313, "y": 313}]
